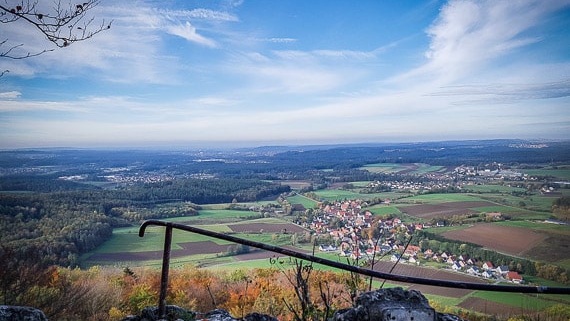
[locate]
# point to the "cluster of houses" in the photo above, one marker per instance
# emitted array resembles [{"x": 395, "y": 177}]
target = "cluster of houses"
[
  {"x": 344, "y": 221},
  {"x": 465, "y": 264},
  {"x": 435, "y": 182},
  {"x": 492, "y": 171}
]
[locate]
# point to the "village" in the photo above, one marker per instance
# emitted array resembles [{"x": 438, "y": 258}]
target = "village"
[{"x": 355, "y": 233}]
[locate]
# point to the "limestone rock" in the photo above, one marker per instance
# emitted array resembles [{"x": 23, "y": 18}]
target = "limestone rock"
[
  {"x": 392, "y": 304},
  {"x": 223, "y": 315},
  {"x": 18, "y": 313},
  {"x": 218, "y": 315},
  {"x": 173, "y": 313},
  {"x": 259, "y": 317}
]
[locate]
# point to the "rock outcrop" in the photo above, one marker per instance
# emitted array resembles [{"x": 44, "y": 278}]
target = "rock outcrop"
[
  {"x": 392, "y": 304},
  {"x": 175, "y": 313},
  {"x": 18, "y": 313}
]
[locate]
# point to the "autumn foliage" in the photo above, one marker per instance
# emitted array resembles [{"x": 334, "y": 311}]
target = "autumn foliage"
[{"x": 289, "y": 290}]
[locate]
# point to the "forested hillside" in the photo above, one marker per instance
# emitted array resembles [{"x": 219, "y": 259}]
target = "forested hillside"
[{"x": 61, "y": 225}]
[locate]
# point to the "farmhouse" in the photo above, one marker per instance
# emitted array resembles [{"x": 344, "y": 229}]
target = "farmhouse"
[
  {"x": 474, "y": 270},
  {"x": 502, "y": 270},
  {"x": 456, "y": 266},
  {"x": 487, "y": 274},
  {"x": 328, "y": 248},
  {"x": 394, "y": 257},
  {"x": 514, "y": 277}
]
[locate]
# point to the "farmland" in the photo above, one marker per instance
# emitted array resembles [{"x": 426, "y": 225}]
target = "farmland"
[
  {"x": 519, "y": 237},
  {"x": 505, "y": 239},
  {"x": 342, "y": 198}
]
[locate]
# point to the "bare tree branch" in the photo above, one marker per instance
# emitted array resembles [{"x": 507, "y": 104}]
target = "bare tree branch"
[{"x": 61, "y": 25}]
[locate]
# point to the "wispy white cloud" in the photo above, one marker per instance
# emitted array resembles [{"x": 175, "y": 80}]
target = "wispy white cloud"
[
  {"x": 33, "y": 107},
  {"x": 281, "y": 40},
  {"x": 188, "y": 32},
  {"x": 469, "y": 34},
  {"x": 211, "y": 15},
  {"x": 131, "y": 51},
  {"x": 10, "y": 94},
  {"x": 239, "y": 78},
  {"x": 504, "y": 93}
]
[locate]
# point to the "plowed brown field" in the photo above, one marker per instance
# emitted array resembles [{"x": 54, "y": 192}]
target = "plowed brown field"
[
  {"x": 205, "y": 247},
  {"x": 443, "y": 210},
  {"x": 505, "y": 239}
]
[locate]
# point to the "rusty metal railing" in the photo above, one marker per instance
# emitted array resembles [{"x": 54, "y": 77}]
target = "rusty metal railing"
[{"x": 347, "y": 267}]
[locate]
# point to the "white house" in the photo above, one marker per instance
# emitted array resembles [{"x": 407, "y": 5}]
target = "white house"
[
  {"x": 456, "y": 266},
  {"x": 487, "y": 274},
  {"x": 473, "y": 270},
  {"x": 503, "y": 269}
]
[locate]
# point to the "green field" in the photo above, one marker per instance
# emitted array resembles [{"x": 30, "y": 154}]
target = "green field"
[
  {"x": 524, "y": 301},
  {"x": 441, "y": 198},
  {"x": 337, "y": 194},
  {"x": 300, "y": 199},
  {"x": 562, "y": 172},
  {"x": 383, "y": 209},
  {"x": 126, "y": 240},
  {"x": 383, "y": 168},
  {"x": 216, "y": 217},
  {"x": 360, "y": 183},
  {"x": 493, "y": 188},
  {"x": 415, "y": 168}
]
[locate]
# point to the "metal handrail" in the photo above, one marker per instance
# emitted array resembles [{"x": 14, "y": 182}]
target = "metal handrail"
[{"x": 347, "y": 267}]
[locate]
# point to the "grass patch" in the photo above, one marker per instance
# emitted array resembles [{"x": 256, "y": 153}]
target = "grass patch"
[
  {"x": 443, "y": 229},
  {"x": 439, "y": 198},
  {"x": 337, "y": 194},
  {"x": 415, "y": 168},
  {"x": 443, "y": 301},
  {"x": 538, "y": 225},
  {"x": 523, "y": 301},
  {"x": 496, "y": 208},
  {"x": 492, "y": 189},
  {"x": 125, "y": 241},
  {"x": 383, "y": 168},
  {"x": 383, "y": 210},
  {"x": 360, "y": 183},
  {"x": 563, "y": 173},
  {"x": 300, "y": 199}
]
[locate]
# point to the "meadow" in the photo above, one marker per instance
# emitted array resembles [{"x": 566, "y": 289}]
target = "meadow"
[
  {"x": 561, "y": 172},
  {"x": 303, "y": 200}
]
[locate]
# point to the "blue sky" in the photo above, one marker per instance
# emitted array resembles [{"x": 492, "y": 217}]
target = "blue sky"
[{"x": 237, "y": 73}]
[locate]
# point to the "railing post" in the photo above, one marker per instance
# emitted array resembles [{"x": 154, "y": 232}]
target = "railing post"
[{"x": 165, "y": 268}]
